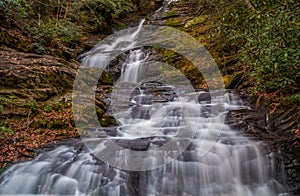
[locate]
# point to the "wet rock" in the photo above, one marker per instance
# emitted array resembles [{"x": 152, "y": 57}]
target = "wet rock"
[
  {"x": 107, "y": 121},
  {"x": 147, "y": 94},
  {"x": 276, "y": 130},
  {"x": 176, "y": 16},
  {"x": 204, "y": 97},
  {"x": 137, "y": 144},
  {"x": 111, "y": 131}
]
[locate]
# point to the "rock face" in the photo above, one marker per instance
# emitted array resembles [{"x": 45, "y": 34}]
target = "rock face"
[
  {"x": 35, "y": 108},
  {"x": 31, "y": 76},
  {"x": 284, "y": 123},
  {"x": 27, "y": 78},
  {"x": 279, "y": 131}
]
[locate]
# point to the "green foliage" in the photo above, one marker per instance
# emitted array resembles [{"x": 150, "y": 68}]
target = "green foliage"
[
  {"x": 4, "y": 100},
  {"x": 59, "y": 23},
  {"x": 55, "y": 32},
  {"x": 38, "y": 48},
  {"x": 293, "y": 99},
  {"x": 13, "y": 9},
  {"x": 4, "y": 129},
  {"x": 102, "y": 12},
  {"x": 265, "y": 35},
  {"x": 47, "y": 108},
  {"x": 33, "y": 106}
]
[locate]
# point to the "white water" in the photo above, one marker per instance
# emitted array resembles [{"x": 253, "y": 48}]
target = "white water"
[
  {"x": 131, "y": 69},
  {"x": 216, "y": 163},
  {"x": 234, "y": 166},
  {"x": 99, "y": 56}
]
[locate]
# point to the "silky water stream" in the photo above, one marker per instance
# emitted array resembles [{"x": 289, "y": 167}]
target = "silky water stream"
[{"x": 219, "y": 160}]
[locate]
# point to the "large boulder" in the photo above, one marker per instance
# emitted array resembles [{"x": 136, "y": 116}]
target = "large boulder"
[{"x": 27, "y": 78}]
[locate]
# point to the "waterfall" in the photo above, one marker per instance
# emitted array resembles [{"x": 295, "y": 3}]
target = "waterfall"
[
  {"x": 131, "y": 69},
  {"x": 234, "y": 164},
  {"x": 99, "y": 56}
]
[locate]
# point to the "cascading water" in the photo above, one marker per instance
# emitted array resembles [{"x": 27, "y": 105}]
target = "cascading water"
[
  {"x": 131, "y": 69},
  {"x": 232, "y": 164},
  {"x": 235, "y": 165}
]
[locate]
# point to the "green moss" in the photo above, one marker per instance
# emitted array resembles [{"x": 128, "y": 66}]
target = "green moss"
[
  {"x": 175, "y": 22},
  {"x": 4, "y": 100},
  {"x": 42, "y": 123},
  {"x": 199, "y": 30},
  {"x": 227, "y": 80},
  {"x": 47, "y": 108},
  {"x": 38, "y": 131},
  {"x": 99, "y": 112},
  {"x": 196, "y": 21},
  {"x": 171, "y": 13},
  {"x": 122, "y": 25},
  {"x": 168, "y": 55},
  {"x": 106, "y": 78},
  {"x": 5, "y": 129},
  {"x": 107, "y": 121},
  {"x": 14, "y": 42}
]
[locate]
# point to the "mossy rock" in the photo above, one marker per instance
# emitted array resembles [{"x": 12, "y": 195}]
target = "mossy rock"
[
  {"x": 172, "y": 13},
  {"x": 233, "y": 81},
  {"x": 41, "y": 77},
  {"x": 196, "y": 21},
  {"x": 107, "y": 121},
  {"x": 175, "y": 22},
  {"x": 200, "y": 30},
  {"x": 14, "y": 42},
  {"x": 99, "y": 112},
  {"x": 227, "y": 80},
  {"x": 106, "y": 78}
]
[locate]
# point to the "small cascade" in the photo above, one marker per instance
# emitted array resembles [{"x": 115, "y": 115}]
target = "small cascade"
[
  {"x": 131, "y": 69},
  {"x": 100, "y": 55}
]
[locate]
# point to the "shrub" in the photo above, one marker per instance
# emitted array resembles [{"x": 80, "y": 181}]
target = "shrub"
[
  {"x": 59, "y": 22},
  {"x": 265, "y": 35},
  {"x": 101, "y": 13},
  {"x": 13, "y": 9}
]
